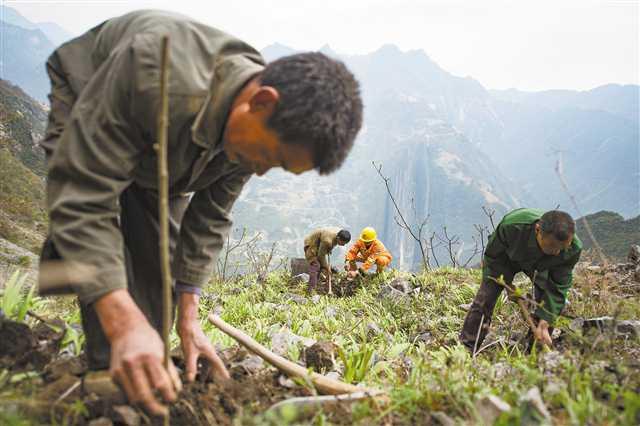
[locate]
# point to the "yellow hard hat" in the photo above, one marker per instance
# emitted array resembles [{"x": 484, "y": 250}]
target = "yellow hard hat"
[{"x": 368, "y": 234}]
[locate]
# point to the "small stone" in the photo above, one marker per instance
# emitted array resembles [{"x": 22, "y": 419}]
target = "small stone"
[
  {"x": 300, "y": 278},
  {"x": 126, "y": 415},
  {"x": 67, "y": 384},
  {"x": 286, "y": 382},
  {"x": 373, "y": 330},
  {"x": 321, "y": 356},
  {"x": 101, "y": 421},
  {"x": 629, "y": 328},
  {"x": 490, "y": 408},
  {"x": 250, "y": 365},
  {"x": 595, "y": 269},
  {"x": 330, "y": 312},
  {"x": 401, "y": 285},
  {"x": 535, "y": 411},
  {"x": 426, "y": 338},
  {"x": 315, "y": 299},
  {"x": 65, "y": 365},
  {"x": 282, "y": 339},
  {"x": 551, "y": 360},
  {"x": 442, "y": 419},
  {"x": 465, "y": 306},
  {"x": 100, "y": 384},
  {"x": 296, "y": 298},
  {"x": 390, "y": 294}
]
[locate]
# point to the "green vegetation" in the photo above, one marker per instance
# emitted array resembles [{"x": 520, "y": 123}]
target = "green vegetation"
[
  {"x": 614, "y": 234},
  {"x": 586, "y": 380}
]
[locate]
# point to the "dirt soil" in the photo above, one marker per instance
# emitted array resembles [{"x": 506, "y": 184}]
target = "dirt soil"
[{"x": 59, "y": 382}]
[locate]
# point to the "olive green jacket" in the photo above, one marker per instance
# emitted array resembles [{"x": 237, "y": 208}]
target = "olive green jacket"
[
  {"x": 111, "y": 79},
  {"x": 513, "y": 247},
  {"x": 319, "y": 243}
]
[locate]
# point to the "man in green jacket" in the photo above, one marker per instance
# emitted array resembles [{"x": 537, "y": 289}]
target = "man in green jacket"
[
  {"x": 543, "y": 246},
  {"x": 230, "y": 116}
]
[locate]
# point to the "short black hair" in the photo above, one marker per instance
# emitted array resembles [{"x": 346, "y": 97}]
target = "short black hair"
[
  {"x": 344, "y": 235},
  {"x": 558, "y": 223},
  {"x": 320, "y": 106}
]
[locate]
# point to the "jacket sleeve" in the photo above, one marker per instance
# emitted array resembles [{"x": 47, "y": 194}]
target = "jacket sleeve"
[
  {"x": 555, "y": 288},
  {"x": 204, "y": 228},
  {"x": 495, "y": 257},
  {"x": 352, "y": 253},
  {"x": 92, "y": 164}
]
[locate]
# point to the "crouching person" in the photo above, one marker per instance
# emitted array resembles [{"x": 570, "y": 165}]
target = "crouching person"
[
  {"x": 368, "y": 251},
  {"x": 318, "y": 246},
  {"x": 543, "y": 246}
]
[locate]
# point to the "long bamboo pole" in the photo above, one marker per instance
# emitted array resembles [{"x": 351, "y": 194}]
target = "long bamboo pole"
[{"x": 163, "y": 202}]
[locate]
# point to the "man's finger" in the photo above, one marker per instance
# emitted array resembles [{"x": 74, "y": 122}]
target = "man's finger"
[
  {"x": 141, "y": 386},
  {"x": 219, "y": 370},
  {"x": 160, "y": 380},
  {"x": 175, "y": 377},
  {"x": 191, "y": 363}
]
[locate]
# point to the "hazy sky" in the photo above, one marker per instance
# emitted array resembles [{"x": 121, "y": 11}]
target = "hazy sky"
[{"x": 530, "y": 45}]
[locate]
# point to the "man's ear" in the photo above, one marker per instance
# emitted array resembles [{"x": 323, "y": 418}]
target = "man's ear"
[{"x": 264, "y": 99}]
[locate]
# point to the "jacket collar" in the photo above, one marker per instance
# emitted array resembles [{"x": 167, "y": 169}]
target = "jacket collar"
[{"x": 231, "y": 73}]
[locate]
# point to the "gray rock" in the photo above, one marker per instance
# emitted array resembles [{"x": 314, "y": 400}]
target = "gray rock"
[
  {"x": 315, "y": 299},
  {"x": 101, "y": 421},
  {"x": 442, "y": 419},
  {"x": 426, "y": 338},
  {"x": 373, "y": 330},
  {"x": 551, "y": 360},
  {"x": 301, "y": 278},
  {"x": 126, "y": 415},
  {"x": 402, "y": 285},
  {"x": 286, "y": 382},
  {"x": 250, "y": 365},
  {"x": 535, "y": 411},
  {"x": 392, "y": 295},
  {"x": 490, "y": 408},
  {"x": 282, "y": 339},
  {"x": 629, "y": 328},
  {"x": 330, "y": 312},
  {"x": 296, "y": 298},
  {"x": 634, "y": 254},
  {"x": 465, "y": 306}
]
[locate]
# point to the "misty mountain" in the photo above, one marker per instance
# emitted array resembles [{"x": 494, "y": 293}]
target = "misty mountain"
[
  {"x": 25, "y": 49},
  {"x": 54, "y": 32},
  {"x": 23, "y": 57}
]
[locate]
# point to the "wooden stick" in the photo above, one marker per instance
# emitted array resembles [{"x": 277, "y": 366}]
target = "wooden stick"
[
  {"x": 322, "y": 383},
  {"x": 163, "y": 203}
]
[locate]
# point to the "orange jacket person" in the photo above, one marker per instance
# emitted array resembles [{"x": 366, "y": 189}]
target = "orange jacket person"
[{"x": 367, "y": 250}]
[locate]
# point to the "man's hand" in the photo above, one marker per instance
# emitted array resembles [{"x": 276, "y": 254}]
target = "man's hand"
[
  {"x": 195, "y": 343},
  {"x": 137, "y": 353},
  {"x": 541, "y": 333},
  {"x": 352, "y": 274}
]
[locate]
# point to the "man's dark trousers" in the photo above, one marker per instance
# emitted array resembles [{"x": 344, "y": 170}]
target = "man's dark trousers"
[{"x": 139, "y": 226}]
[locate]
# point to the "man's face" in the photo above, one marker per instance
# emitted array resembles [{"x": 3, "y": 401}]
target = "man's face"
[
  {"x": 549, "y": 244},
  {"x": 342, "y": 242},
  {"x": 249, "y": 141},
  {"x": 367, "y": 244}
]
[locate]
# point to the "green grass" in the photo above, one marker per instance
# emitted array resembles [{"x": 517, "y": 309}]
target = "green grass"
[{"x": 588, "y": 381}]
